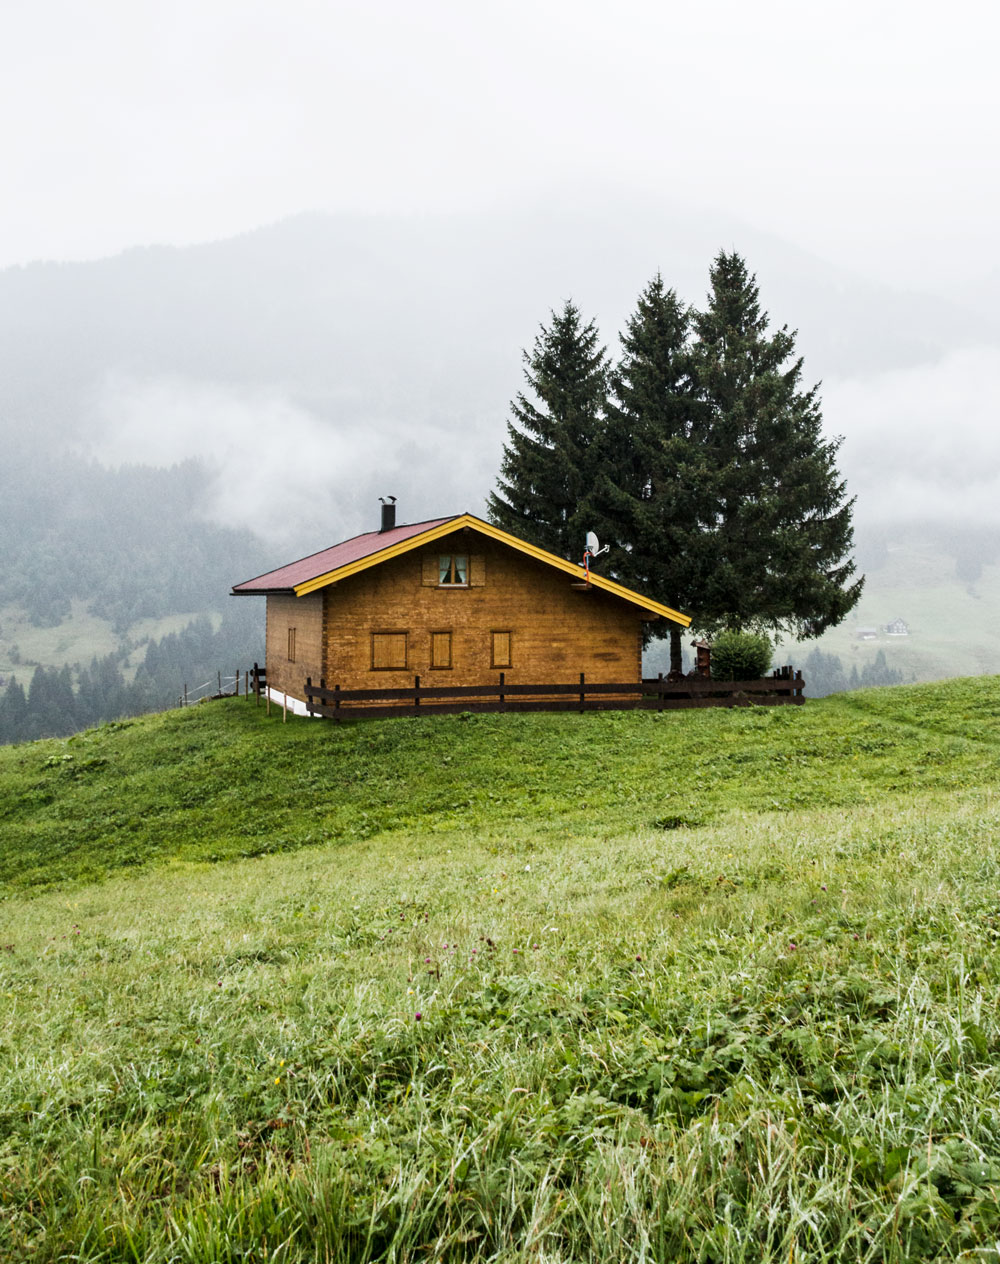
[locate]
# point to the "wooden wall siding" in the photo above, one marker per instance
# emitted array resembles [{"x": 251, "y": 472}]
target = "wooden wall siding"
[
  {"x": 556, "y": 631},
  {"x": 305, "y": 615}
]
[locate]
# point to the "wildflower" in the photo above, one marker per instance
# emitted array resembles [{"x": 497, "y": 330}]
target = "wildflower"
[
  {"x": 418, "y": 1016},
  {"x": 637, "y": 957},
  {"x": 278, "y": 1080},
  {"x": 791, "y": 947}
]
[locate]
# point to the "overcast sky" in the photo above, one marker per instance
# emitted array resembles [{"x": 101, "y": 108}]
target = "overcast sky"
[{"x": 865, "y": 132}]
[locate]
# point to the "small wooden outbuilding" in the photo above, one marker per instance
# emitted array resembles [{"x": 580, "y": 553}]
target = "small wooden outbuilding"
[{"x": 453, "y": 600}]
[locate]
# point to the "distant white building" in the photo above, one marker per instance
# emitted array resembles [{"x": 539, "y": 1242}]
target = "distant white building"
[
  {"x": 867, "y": 634},
  {"x": 898, "y": 627}
]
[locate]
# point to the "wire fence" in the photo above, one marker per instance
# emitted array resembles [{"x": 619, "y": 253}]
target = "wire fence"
[{"x": 221, "y": 687}]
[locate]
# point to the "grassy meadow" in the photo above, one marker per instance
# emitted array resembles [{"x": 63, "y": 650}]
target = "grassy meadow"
[{"x": 707, "y": 986}]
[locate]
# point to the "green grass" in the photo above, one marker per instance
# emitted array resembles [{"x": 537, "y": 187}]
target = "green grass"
[
  {"x": 714, "y": 986},
  {"x": 223, "y": 781}
]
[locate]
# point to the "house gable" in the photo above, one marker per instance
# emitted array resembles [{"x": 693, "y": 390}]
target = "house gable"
[
  {"x": 384, "y": 625},
  {"x": 443, "y": 528}
]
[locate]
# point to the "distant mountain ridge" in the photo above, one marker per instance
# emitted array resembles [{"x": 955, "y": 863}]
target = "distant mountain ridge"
[{"x": 360, "y": 317}]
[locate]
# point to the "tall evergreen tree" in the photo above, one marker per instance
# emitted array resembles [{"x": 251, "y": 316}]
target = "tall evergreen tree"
[
  {"x": 653, "y": 477},
  {"x": 548, "y": 462},
  {"x": 779, "y": 531}
]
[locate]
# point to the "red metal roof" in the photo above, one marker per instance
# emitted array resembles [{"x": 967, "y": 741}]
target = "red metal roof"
[{"x": 285, "y": 578}]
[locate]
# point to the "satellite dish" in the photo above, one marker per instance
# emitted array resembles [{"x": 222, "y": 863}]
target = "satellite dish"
[
  {"x": 594, "y": 545},
  {"x": 593, "y": 549}
]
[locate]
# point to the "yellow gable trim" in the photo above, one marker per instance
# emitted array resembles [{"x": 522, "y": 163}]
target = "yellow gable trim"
[{"x": 504, "y": 537}]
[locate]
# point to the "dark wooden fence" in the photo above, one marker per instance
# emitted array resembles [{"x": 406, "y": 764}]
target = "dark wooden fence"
[{"x": 781, "y": 689}]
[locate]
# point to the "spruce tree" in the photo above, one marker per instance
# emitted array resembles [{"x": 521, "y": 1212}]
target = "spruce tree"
[
  {"x": 548, "y": 462},
  {"x": 778, "y": 532},
  {"x": 652, "y": 476}
]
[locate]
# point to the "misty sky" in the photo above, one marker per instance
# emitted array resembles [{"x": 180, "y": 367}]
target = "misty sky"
[{"x": 864, "y": 132}]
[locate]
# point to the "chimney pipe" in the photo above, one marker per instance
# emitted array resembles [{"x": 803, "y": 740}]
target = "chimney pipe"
[{"x": 388, "y": 513}]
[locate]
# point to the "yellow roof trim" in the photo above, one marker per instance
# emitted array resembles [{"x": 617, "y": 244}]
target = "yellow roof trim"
[{"x": 504, "y": 537}]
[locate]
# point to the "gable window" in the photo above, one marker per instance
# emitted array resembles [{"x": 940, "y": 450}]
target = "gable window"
[
  {"x": 291, "y": 645},
  {"x": 388, "y": 651},
  {"x": 453, "y": 571},
  {"x": 440, "y": 650},
  {"x": 501, "y": 648}
]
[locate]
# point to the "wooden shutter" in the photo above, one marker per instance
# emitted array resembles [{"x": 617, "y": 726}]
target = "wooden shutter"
[
  {"x": 477, "y": 570},
  {"x": 291, "y": 645},
  {"x": 388, "y": 651},
  {"x": 430, "y": 570},
  {"x": 501, "y": 649},
  {"x": 440, "y": 649}
]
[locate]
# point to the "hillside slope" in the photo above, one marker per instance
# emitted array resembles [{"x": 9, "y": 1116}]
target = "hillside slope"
[
  {"x": 224, "y": 780},
  {"x": 711, "y": 986}
]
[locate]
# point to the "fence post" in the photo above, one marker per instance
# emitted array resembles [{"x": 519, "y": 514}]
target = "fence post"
[
  {"x": 581, "y": 693},
  {"x": 256, "y": 684},
  {"x": 503, "y": 679},
  {"x": 800, "y": 685},
  {"x": 309, "y": 701},
  {"x": 185, "y": 694},
  {"x": 416, "y": 691},
  {"x": 284, "y": 706}
]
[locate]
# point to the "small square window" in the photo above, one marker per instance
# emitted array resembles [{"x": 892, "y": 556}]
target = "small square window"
[
  {"x": 453, "y": 571},
  {"x": 388, "y": 651}
]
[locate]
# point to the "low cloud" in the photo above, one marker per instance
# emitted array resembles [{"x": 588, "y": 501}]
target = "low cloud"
[
  {"x": 922, "y": 444},
  {"x": 298, "y": 479}
]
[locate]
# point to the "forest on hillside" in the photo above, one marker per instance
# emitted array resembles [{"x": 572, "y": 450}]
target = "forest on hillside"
[
  {"x": 132, "y": 542},
  {"x": 61, "y": 701}
]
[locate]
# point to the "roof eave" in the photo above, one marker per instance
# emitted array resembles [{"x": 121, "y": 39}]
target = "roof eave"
[{"x": 262, "y": 592}]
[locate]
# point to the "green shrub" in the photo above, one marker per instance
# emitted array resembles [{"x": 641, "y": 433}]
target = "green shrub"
[{"x": 740, "y": 656}]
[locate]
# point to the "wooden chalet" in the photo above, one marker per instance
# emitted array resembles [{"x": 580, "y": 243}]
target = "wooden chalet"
[{"x": 454, "y": 601}]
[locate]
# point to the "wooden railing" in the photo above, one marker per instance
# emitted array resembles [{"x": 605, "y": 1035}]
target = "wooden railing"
[{"x": 783, "y": 688}]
